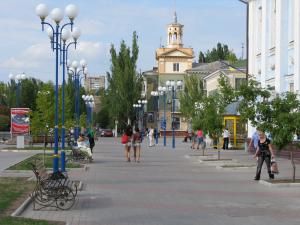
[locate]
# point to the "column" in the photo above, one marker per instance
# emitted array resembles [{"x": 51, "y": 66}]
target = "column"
[
  {"x": 264, "y": 40},
  {"x": 297, "y": 46},
  {"x": 252, "y": 60},
  {"x": 281, "y": 51},
  {"x": 252, "y": 38}
]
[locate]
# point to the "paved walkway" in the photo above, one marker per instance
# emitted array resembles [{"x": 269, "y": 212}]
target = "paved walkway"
[
  {"x": 8, "y": 159},
  {"x": 169, "y": 188}
]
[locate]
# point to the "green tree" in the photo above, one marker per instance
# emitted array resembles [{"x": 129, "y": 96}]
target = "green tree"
[
  {"x": 248, "y": 95},
  {"x": 125, "y": 83},
  {"x": 210, "y": 111},
  {"x": 4, "y": 118},
  {"x": 103, "y": 118},
  {"x": 29, "y": 90},
  {"x": 192, "y": 93},
  {"x": 82, "y": 120},
  {"x": 209, "y": 117},
  {"x": 201, "y": 57},
  {"x": 42, "y": 119},
  {"x": 220, "y": 52}
]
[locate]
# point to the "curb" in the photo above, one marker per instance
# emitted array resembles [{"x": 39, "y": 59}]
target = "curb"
[
  {"x": 227, "y": 167},
  {"x": 22, "y": 207},
  {"x": 27, "y": 202},
  {"x": 211, "y": 161},
  {"x": 282, "y": 185}
]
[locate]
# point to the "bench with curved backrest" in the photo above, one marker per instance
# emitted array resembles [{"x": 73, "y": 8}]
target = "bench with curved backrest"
[
  {"x": 52, "y": 189},
  {"x": 78, "y": 155}
]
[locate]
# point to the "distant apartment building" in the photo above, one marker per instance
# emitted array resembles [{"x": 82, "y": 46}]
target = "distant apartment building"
[{"x": 94, "y": 83}]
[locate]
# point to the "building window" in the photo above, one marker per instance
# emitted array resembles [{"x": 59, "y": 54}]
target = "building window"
[
  {"x": 176, "y": 67},
  {"x": 176, "y": 123},
  {"x": 291, "y": 88}
]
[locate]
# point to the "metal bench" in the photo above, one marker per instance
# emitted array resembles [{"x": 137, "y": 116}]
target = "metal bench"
[
  {"x": 77, "y": 155},
  {"x": 52, "y": 189}
]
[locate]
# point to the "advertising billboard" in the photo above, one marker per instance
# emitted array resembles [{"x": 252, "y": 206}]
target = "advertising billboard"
[{"x": 20, "y": 121}]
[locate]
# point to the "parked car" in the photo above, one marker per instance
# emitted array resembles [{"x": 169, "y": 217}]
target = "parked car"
[{"x": 106, "y": 133}]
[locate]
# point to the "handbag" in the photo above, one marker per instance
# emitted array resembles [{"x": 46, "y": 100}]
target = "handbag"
[
  {"x": 274, "y": 167},
  {"x": 124, "y": 139}
]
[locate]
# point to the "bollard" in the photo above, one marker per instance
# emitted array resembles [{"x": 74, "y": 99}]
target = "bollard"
[{"x": 219, "y": 155}]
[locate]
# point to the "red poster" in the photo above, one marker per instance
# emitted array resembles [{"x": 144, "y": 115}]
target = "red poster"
[{"x": 19, "y": 120}]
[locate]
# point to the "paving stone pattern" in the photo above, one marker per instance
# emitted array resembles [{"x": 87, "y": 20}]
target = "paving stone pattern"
[{"x": 169, "y": 188}]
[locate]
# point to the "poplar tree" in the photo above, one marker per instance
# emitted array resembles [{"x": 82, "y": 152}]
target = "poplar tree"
[{"x": 125, "y": 84}]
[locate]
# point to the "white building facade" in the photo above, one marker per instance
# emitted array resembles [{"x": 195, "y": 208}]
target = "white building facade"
[{"x": 274, "y": 44}]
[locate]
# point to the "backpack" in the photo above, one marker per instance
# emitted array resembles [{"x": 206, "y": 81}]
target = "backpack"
[{"x": 124, "y": 139}]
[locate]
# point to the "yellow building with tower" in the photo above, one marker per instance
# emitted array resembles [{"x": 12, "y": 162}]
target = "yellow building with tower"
[{"x": 173, "y": 60}]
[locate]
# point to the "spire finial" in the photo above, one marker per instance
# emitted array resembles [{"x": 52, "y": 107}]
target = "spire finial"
[
  {"x": 175, "y": 17},
  {"x": 175, "y": 14}
]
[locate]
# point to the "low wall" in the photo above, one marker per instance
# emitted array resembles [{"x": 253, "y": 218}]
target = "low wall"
[{"x": 169, "y": 133}]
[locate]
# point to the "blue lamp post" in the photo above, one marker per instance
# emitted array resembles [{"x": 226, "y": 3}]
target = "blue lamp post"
[
  {"x": 54, "y": 32},
  {"x": 162, "y": 92},
  {"x": 142, "y": 103},
  {"x": 18, "y": 79},
  {"x": 173, "y": 87},
  {"x": 155, "y": 95},
  {"x": 77, "y": 74},
  {"x": 137, "y": 111},
  {"x": 89, "y": 102},
  {"x": 65, "y": 35}
]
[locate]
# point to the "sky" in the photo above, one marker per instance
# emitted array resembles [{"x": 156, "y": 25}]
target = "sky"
[{"x": 25, "y": 48}]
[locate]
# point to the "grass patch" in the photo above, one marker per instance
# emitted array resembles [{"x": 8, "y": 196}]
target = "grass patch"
[
  {"x": 23, "y": 221},
  {"x": 13, "y": 191},
  {"x": 34, "y": 148},
  {"x": 24, "y": 165}
]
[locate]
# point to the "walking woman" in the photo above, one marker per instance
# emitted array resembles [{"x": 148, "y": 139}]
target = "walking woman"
[
  {"x": 200, "y": 137},
  {"x": 137, "y": 145},
  {"x": 264, "y": 152},
  {"x": 127, "y": 144}
]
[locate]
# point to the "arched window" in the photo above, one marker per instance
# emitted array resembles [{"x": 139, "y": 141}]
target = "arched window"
[
  {"x": 175, "y": 37},
  {"x": 170, "y": 38}
]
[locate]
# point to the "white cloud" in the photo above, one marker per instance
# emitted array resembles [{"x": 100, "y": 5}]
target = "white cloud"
[
  {"x": 89, "y": 50},
  {"x": 30, "y": 58},
  {"x": 91, "y": 27}
]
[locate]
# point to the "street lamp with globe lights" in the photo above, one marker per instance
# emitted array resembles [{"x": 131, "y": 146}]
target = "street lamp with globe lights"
[
  {"x": 77, "y": 73},
  {"x": 162, "y": 92},
  {"x": 155, "y": 95},
  {"x": 89, "y": 102},
  {"x": 55, "y": 34},
  {"x": 142, "y": 103},
  {"x": 173, "y": 87},
  {"x": 65, "y": 36},
  {"x": 137, "y": 111},
  {"x": 18, "y": 79}
]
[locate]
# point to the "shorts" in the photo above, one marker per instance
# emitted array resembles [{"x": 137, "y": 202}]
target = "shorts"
[
  {"x": 127, "y": 144},
  {"x": 200, "y": 140},
  {"x": 137, "y": 144}
]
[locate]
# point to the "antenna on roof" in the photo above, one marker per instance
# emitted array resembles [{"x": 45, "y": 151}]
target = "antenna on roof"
[
  {"x": 242, "y": 50},
  {"x": 160, "y": 41}
]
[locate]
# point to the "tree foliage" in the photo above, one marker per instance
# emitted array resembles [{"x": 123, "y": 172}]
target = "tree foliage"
[
  {"x": 220, "y": 52},
  {"x": 125, "y": 84},
  {"x": 193, "y": 92}
]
